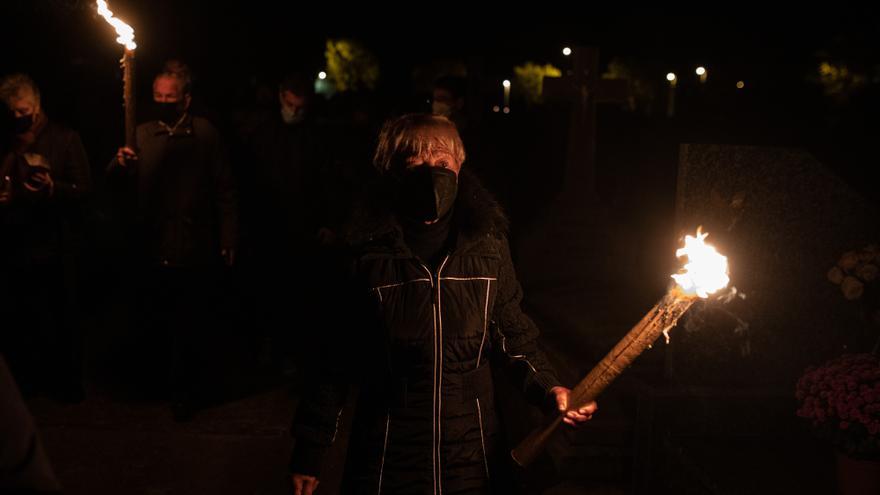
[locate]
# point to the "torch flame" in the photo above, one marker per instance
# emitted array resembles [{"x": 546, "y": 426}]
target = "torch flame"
[
  {"x": 125, "y": 32},
  {"x": 706, "y": 269}
]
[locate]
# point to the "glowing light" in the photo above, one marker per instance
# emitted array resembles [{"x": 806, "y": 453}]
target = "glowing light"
[
  {"x": 705, "y": 271},
  {"x": 123, "y": 30}
]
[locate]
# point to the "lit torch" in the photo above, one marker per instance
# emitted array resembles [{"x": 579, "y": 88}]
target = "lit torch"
[
  {"x": 126, "y": 38},
  {"x": 704, "y": 274}
]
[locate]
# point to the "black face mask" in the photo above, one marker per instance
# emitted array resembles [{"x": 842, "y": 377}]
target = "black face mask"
[
  {"x": 168, "y": 112},
  {"x": 21, "y": 125},
  {"x": 427, "y": 193}
]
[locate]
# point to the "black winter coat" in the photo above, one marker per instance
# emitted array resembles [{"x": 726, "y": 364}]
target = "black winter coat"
[{"x": 419, "y": 341}]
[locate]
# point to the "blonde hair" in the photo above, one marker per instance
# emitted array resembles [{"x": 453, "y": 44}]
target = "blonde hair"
[
  {"x": 13, "y": 85},
  {"x": 416, "y": 134}
]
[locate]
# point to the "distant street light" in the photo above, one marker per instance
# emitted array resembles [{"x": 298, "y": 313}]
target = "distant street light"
[{"x": 670, "y": 102}]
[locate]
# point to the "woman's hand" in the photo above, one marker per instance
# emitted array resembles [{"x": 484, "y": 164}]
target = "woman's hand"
[
  {"x": 575, "y": 417},
  {"x": 304, "y": 484}
]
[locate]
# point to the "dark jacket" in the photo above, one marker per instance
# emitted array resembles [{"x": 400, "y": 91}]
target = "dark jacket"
[
  {"x": 38, "y": 227},
  {"x": 281, "y": 185},
  {"x": 298, "y": 180},
  {"x": 186, "y": 202},
  {"x": 420, "y": 342}
]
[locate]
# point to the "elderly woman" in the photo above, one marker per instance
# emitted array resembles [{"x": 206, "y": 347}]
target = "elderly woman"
[{"x": 430, "y": 302}]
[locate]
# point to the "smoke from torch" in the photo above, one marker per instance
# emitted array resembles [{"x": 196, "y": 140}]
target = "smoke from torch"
[
  {"x": 126, "y": 39},
  {"x": 705, "y": 273}
]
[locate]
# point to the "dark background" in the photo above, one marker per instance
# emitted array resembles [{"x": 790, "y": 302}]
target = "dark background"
[{"x": 71, "y": 53}]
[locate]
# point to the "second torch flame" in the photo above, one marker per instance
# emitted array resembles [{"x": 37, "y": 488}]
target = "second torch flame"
[
  {"x": 126, "y": 38},
  {"x": 125, "y": 32}
]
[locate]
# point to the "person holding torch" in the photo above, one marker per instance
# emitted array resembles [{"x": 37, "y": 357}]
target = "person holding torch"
[
  {"x": 427, "y": 302},
  {"x": 185, "y": 205}
]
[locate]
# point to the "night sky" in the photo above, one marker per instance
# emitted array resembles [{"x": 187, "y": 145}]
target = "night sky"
[
  {"x": 72, "y": 54},
  {"x": 65, "y": 39}
]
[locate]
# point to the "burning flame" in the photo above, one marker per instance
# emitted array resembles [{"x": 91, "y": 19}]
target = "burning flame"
[
  {"x": 125, "y": 32},
  {"x": 706, "y": 269}
]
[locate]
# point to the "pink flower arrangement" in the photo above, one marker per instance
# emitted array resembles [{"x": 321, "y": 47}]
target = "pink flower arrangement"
[{"x": 841, "y": 400}]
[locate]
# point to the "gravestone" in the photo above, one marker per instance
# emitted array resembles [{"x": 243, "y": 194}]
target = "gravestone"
[{"x": 728, "y": 408}]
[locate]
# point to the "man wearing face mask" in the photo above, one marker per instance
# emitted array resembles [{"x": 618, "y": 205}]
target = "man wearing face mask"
[
  {"x": 286, "y": 209},
  {"x": 44, "y": 178},
  {"x": 185, "y": 225},
  {"x": 286, "y": 155},
  {"x": 427, "y": 305}
]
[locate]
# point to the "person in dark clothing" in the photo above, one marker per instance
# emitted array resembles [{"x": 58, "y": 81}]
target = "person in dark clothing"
[
  {"x": 287, "y": 154},
  {"x": 44, "y": 178},
  {"x": 429, "y": 304},
  {"x": 281, "y": 190},
  {"x": 296, "y": 192},
  {"x": 186, "y": 225}
]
